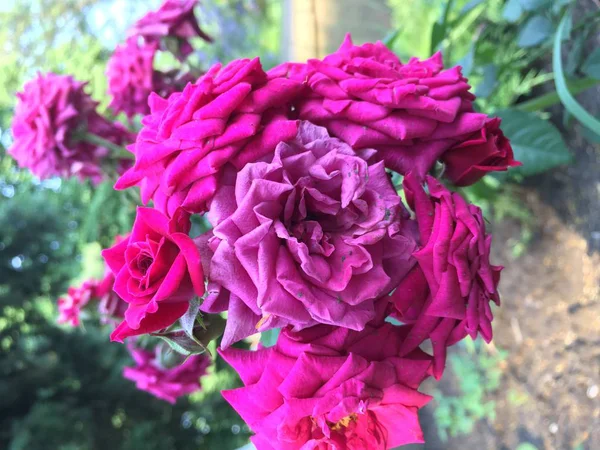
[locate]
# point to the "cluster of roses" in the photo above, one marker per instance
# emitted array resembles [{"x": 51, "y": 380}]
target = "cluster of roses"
[
  {"x": 293, "y": 169},
  {"x": 311, "y": 236}
]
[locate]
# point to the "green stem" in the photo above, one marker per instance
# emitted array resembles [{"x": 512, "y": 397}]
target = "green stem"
[
  {"x": 118, "y": 152},
  {"x": 562, "y": 89},
  {"x": 552, "y": 98}
]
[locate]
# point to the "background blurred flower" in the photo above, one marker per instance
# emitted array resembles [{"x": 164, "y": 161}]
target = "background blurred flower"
[
  {"x": 130, "y": 75},
  {"x": 174, "y": 19},
  {"x": 166, "y": 382},
  {"x": 71, "y": 305},
  {"x": 52, "y": 117}
]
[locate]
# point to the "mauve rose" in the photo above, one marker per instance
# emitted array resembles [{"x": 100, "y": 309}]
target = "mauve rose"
[
  {"x": 174, "y": 19},
  {"x": 484, "y": 151},
  {"x": 166, "y": 383},
  {"x": 315, "y": 235},
  {"x": 411, "y": 113},
  {"x": 157, "y": 269},
  {"x": 51, "y": 111},
  {"x": 130, "y": 76},
  {"x": 331, "y": 388},
  {"x": 447, "y": 295},
  {"x": 233, "y": 114},
  {"x": 71, "y": 305}
]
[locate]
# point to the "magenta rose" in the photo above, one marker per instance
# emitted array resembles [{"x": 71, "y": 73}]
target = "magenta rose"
[
  {"x": 233, "y": 114},
  {"x": 130, "y": 76},
  {"x": 331, "y": 388},
  {"x": 157, "y": 270},
  {"x": 315, "y": 234},
  {"x": 52, "y": 113},
  {"x": 166, "y": 382},
  {"x": 174, "y": 19},
  {"x": 447, "y": 295},
  {"x": 71, "y": 305},
  {"x": 484, "y": 151},
  {"x": 411, "y": 113}
]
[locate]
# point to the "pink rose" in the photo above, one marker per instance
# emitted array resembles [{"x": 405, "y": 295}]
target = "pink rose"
[
  {"x": 315, "y": 235},
  {"x": 411, "y": 113},
  {"x": 447, "y": 295},
  {"x": 71, "y": 305},
  {"x": 157, "y": 269},
  {"x": 331, "y": 388},
  {"x": 51, "y": 113},
  {"x": 236, "y": 114},
  {"x": 130, "y": 76},
  {"x": 175, "y": 19},
  {"x": 166, "y": 383},
  {"x": 481, "y": 152}
]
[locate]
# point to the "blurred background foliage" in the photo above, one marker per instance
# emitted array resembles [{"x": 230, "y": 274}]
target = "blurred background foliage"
[{"x": 62, "y": 389}]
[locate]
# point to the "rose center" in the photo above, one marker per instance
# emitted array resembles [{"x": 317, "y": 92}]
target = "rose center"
[
  {"x": 343, "y": 422},
  {"x": 144, "y": 261}
]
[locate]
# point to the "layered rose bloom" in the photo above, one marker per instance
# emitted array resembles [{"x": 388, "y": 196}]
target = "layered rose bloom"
[
  {"x": 174, "y": 19},
  {"x": 71, "y": 305},
  {"x": 166, "y": 383},
  {"x": 52, "y": 113},
  {"x": 130, "y": 75},
  {"x": 447, "y": 295},
  {"x": 233, "y": 114},
  {"x": 331, "y": 388},
  {"x": 314, "y": 234},
  {"x": 484, "y": 151},
  {"x": 411, "y": 113},
  {"x": 157, "y": 270}
]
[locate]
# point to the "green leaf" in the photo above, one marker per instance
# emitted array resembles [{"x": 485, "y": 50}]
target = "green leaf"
[
  {"x": 536, "y": 142},
  {"x": 532, "y": 5},
  {"x": 269, "y": 338},
  {"x": 469, "y": 6},
  {"x": 535, "y": 31},
  {"x": 574, "y": 56},
  {"x": 391, "y": 38},
  {"x": 188, "y": 320},
  {"x": 512, "y": 11},
  {"x": 438, "y": 31},
  {"x": 591, "y": 66},
  {"x": 526, "y": 446},
  {"x": 467, "y": 61},
  {"x": 182, "y": 344},
  {"x": 488, "y": 84},
  {"x": 562, "y": 89}
]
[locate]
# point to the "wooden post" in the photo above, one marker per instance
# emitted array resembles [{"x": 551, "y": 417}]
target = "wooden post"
[{"x": 315, "y": 28}]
